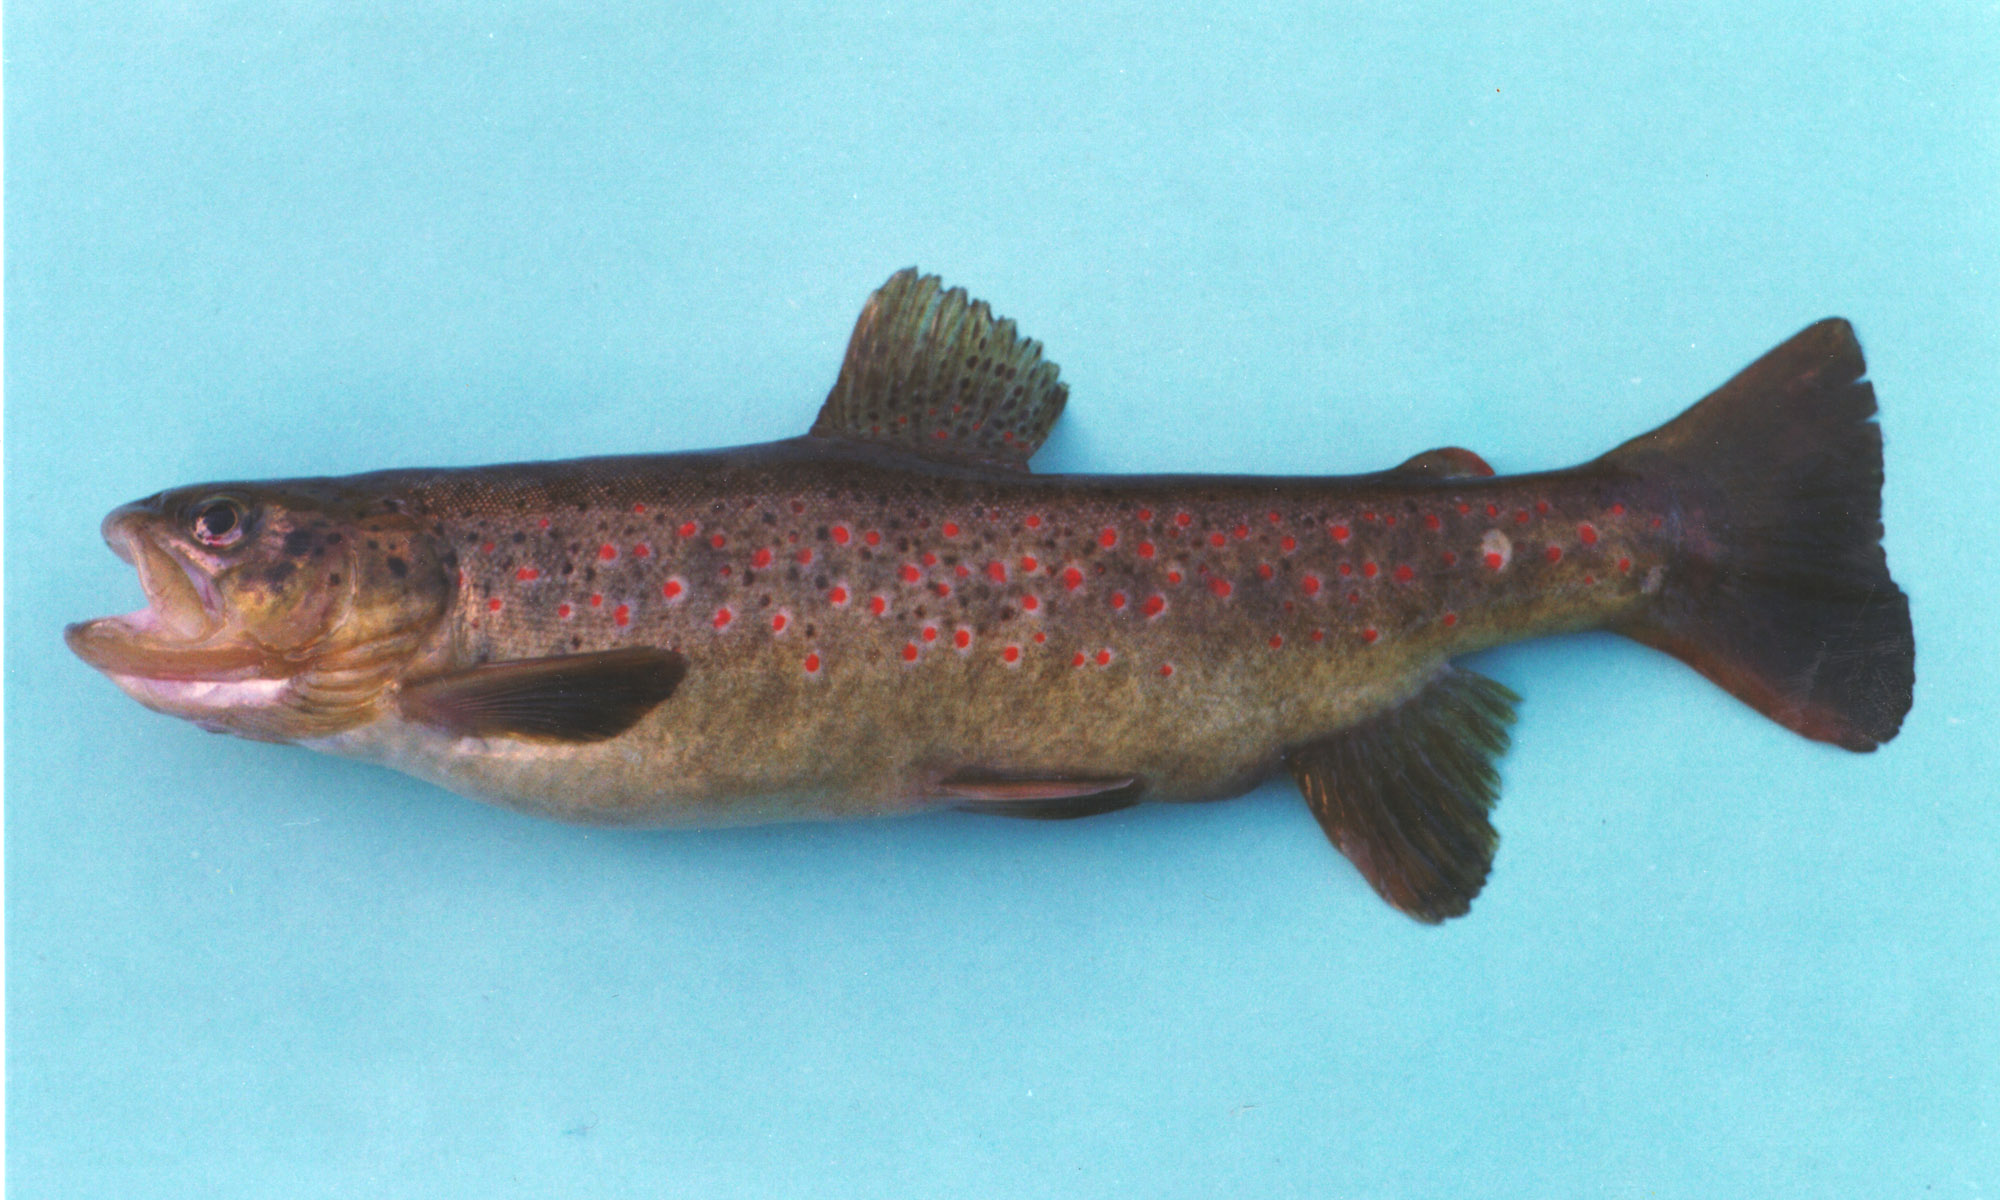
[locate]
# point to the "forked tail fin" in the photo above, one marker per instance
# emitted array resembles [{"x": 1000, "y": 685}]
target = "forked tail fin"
[{"x": 1781, "y": 592}]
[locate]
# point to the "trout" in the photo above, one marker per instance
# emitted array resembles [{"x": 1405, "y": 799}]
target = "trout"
[{"x": 891, "y": 614}]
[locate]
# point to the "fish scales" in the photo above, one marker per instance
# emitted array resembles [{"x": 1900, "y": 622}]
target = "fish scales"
[{"x": 893, "y": 614}]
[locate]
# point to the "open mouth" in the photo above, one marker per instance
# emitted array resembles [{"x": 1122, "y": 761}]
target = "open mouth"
[{"x": 177, "y": 635}]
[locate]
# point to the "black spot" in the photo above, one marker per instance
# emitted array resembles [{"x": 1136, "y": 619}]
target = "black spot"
[
  {"x": 519, "y": 538},
  {"x": 297, "y": 542},
  {"x": 279, "y": 572},
  {"x": 333, "y": 580},
  {"x": 398, "y": 567}
]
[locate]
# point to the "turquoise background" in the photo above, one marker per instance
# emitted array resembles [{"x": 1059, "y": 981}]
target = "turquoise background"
[{"x": 283, "y": 238}]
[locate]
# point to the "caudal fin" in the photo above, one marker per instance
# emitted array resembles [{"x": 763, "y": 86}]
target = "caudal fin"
[{"x": 1781, "y": 593}]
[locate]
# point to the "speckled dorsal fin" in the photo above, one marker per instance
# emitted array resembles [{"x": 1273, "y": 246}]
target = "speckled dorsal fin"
[
  {"x": 931, "y": 372},
  {"x": 564, "y": 698},
  {"x": 1406, "y": 793},
  {"x": 1446, "y": 462},
  {"x": 1042, "y": 797}
]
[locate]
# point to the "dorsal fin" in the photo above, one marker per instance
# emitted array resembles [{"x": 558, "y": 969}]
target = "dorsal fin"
[
  {"x": 930, "y": 372},
  {"x": 1446, "y": 462}
]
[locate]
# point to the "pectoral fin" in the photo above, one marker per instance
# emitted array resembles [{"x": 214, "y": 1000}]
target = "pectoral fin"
[
  {"x": 567, "y": 698},
  {"x": 1405, "y": 794},
  {"x": 1041, "y": 798}
]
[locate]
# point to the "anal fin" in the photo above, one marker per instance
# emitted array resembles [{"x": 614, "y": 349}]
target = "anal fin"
[
  {"x": 1041, "y": 798},
  {"x": 563, "y": 698},
  {"x": 1405, "y": 794}
]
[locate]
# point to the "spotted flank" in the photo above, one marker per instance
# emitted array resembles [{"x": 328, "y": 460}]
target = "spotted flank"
[{"x": 892, "y": 614}]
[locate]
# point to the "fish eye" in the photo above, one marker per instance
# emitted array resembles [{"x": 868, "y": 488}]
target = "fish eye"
[{"x": 217, "y": 522}]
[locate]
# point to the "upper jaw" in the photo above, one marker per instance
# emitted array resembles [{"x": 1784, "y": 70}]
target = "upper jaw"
[{"x": 174, "y": 636}]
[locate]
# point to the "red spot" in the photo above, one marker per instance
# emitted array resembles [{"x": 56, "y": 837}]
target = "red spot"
[
  {"x": 723, "y": 617},
  {"x": 687, "y": 529},
  {"x": 1264, "y": 570},
  {"x": 909, "y": 652},
  {"x": 1347, "y": 568},
  {"x": 1118, "y": 599},
  {"x": 1277, "y": 641},
  {"x": 1310, "y": 585},
  {"x": 1241, "y": 532},
  {"x": 525, "y": 574},
  {"x": 1030, "y": 602},
  {"x": 812, "y": 664},
  {"x": 1108, "y": 538},
  {"x": 762, "y": 558},
  {"x": 929, "y": 559},
  {"x": 805, "y": 555},
  {"x": 798, "y": 506},
  {"x": 597, "y": 600},
  {"x": 1354, "y": 597},
  {"x": 910, "y": 573},
  {"x": 718, "y": 541},
  {"x": 1542, "y": 506},
  {"x": 487, "y": 548},
  {"x": 1173, "y": 576},
  {"x": 544, "y": 522},
  {"x": 1617, "y": 510},
  {"x": 1588, "y": 533},
  {"x": 1463, "y": 508},
  {"x": 1146, "y": 549},
  {"x": 671, "y": 588},
  {"x": 962, "y": 571},
  {"x": 1166, "y": 669},
  {"x": 1451, "y": 558},
  {"x": 1183, "y": 519},
  {"x": 1275, "y": 518},
  {"x": 1656, "y": 522},
  {"x": 962, "y": 638},
  {"x": 1369, "y": 635},
  {"x": 494, "y": 604},
  {"x": 1155, "y": 605},
  {"x": 878, "y": 605},
  {"x": 1495, "y": 561},
  {"x": 1077, "y": 661},
  {"x": 778, "y": 622},
  {"x": 1369, "y": 569},
  {"x": 1104, "y": 658},
  {"x": 942, "y": 434},
  {"x": 727, "y": 570},
  {"x": 638, "y": 508},
  {"x": 1072, "y": 578},
  {"x": 838, "y": 595},
  {"x": 951, "y": 529},
  {"x": 1590, "y": 579},
  {"x": 997, "y": 572},
  {"x": 1492, "y": 510},
  {"x": 930, "y": 633},
  {"x": 1220, "y": 586},
  {"x": 622, "y": 614},
  {"x": 1341, "y": 533},
  {"x": 1390, "y": 520},
  {"x": 607, "y": 552},
  {"x": 1011, "y": 654},
  {"x": 1553, "y": 553},
  {"x": 1521, "y": 517},
  {"x": 1028, "y": 564},
  {"x": 1319, "y": 635},
  {"x": 563, "y": 611},
  {"x": 1034, "y": 522},
  {"x": 1288, "y": 543},
  {"x": 1624, "y": 564},
  {"x": 1368, "y": 516},
  {"x": 942, "y": 589},
  {"x": 1217, "y": 539},
  {"x": 641, "y": 550},
  {"x": 872, "y": 538},
  {"x": 840, "y": 535},
  {"x": 1404, "y": 573},
  {"x": 1040, "y": 637},
  {"x": 1145, "y": 514},
  {"x": 1431, "y": 521},
  {"x": 1450, "y": 619}
]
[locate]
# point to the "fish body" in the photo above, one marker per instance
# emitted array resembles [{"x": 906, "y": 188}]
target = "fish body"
[{"x": 893, "y": 614}]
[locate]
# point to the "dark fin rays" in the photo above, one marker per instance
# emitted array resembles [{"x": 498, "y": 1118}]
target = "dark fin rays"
[
  {"x": 1042, "y": 798},
  {"x": 1405, "y": 794},
  {"x": 568, "y": 698},
  {"x": 931, "y": 373},
  {"x": 1782, "y": 593}
]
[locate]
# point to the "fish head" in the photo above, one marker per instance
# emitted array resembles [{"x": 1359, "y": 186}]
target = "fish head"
[{"x": 276, "y": 611}]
